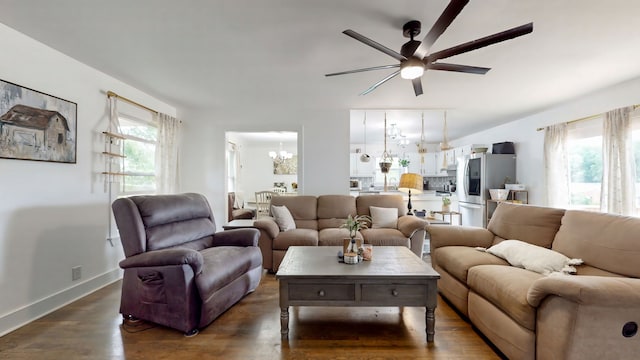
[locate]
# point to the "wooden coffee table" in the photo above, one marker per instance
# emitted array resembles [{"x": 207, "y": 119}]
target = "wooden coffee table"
[{"x": 312, "y": 276}]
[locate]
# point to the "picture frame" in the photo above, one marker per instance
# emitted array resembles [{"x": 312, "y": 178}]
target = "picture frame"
[{"x": 36, "y": 126}]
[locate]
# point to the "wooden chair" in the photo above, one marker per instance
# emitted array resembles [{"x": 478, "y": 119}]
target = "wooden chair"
[{"x": 263, "y": 202}]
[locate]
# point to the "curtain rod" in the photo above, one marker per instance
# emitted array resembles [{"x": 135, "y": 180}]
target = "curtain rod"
[
  {"x": 584, "y": 118},
  {"x": 112, "y": 94}
]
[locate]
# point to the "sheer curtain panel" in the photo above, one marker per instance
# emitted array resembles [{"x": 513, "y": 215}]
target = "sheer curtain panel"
[
  {"x": 556, "y": 165},
  {"x": 618, "y": 163},
  {"x": 167, "y": 154}
]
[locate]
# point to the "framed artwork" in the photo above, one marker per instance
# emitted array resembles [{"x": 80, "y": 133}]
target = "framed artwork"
[
  {"x": 286, "y": 166},
  {"x": 36, "y": 126}
]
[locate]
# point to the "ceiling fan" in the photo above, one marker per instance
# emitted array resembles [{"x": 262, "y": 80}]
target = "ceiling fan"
[{"x": 415, "y": 56}]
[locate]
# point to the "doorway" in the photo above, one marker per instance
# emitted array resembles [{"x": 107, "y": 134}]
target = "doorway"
[{"x": 259, "y": 161}]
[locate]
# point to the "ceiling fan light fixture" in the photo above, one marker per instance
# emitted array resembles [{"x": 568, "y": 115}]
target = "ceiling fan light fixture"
[{"x": 412, "y": 68}]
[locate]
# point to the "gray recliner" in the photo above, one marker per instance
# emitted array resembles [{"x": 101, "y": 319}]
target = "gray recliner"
[{"x": 178, "y": 272}]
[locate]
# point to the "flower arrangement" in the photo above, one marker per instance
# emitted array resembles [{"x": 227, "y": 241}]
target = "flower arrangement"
[
  {"x": 356, "y": 223},
  {"x": 446, "y": 200}
]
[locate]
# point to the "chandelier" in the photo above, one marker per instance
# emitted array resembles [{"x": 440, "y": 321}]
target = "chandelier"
[{"x": 280, "y": 156}]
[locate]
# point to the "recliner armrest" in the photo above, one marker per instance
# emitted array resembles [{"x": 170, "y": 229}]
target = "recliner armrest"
[
  {"x": 408, "y": 224},
  {"x": 587, "y": 290},
  {"x": 164, "y": 257},
  {"x": 268, "y": 225},
  {"x": 237, "y": 237},
  {"x": 448, "y": 235}
]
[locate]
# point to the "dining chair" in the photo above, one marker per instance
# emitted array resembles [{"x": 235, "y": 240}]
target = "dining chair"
[{"x": 263, "y": 202}]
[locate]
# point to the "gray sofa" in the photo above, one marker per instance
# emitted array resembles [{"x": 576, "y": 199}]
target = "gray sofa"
[
  {"x": 318, "y": 220},
  {"x": 178, "y": 271},
  {"x": 593, "y": 314}
]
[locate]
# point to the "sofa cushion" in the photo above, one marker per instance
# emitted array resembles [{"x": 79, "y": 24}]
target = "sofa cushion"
[
  {"x": 385, "y": 237},
  {"x": 533, "y": 258},
  {"x": 506, "y": 287},
  {"x": 224, "y": 264},
  {"x": 457, "y": 260},
  {"x": 283, "y": 217},
  {"x": 295, "y": 237},
  {"x": 301, "y": 207},
  {"x": 334, "y": 236},
  {"x": 334, "y": 209},
  {"x": 605, "y": 241},
  {"x": 383, "y": 217},
  {"x": 533, "y": 224}
]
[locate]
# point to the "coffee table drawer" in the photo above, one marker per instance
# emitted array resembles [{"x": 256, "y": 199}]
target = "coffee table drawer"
[
  {"x": 322, "y": 292},
  {"x": 395, "y": 294}
]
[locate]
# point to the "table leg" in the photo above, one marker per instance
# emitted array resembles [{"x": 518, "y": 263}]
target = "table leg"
[
  {"x": 284, "y": 322},
  {"x": 430, "y": 321}
]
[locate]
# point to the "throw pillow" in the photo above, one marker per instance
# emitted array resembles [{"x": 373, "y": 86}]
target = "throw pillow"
[
  {"x": 534, "y": 258},
  {"x": 283, "y": 218},
  {"x": 383, "y": 217}
]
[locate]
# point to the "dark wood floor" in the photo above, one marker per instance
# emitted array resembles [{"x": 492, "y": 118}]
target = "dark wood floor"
[{"x": 91, "y": 328}]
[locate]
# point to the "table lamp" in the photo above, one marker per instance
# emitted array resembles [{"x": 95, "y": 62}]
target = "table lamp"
[{"x": 410, "y": 182}]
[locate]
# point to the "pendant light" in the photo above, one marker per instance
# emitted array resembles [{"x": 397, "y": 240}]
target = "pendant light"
[{"x": 365, "y": 157}]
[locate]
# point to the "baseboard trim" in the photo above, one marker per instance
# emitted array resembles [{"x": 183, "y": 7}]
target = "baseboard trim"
[{"x": 28, "y": 313}]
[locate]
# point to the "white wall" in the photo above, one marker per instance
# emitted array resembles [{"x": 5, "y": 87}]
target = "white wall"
[
  {"x": 323, "y": 149},
  {"x": 529, "y": 142},
  {"x": 54, "y": 216}
]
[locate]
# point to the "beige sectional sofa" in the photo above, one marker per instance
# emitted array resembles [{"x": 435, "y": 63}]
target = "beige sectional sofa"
[
  {"x": 318, "y": 220},
  {"x": 593, "y": 314}
]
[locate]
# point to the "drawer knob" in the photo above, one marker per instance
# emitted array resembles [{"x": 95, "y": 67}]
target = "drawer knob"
[
  {"x": 321, "y": 293},
  {"x": 394, "y": 292}
]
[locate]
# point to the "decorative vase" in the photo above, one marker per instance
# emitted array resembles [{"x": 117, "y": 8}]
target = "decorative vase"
[
  {"x": 445, "y": 208},
  {"x": 351, "y": 255}
]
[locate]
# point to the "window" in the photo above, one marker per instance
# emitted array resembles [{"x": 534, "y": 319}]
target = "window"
[
  {"x": 232, "y": 167},
  {"x": 586, "y": 165},
  {"x": 140, "y": 156},
  {"x": 585, "y": 171}
]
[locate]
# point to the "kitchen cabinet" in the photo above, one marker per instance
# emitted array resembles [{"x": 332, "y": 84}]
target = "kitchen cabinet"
[
  {"x": 414, "y": 163},
  {"x": 430, "y": 162},
  {"x": 359, "y": 168}
]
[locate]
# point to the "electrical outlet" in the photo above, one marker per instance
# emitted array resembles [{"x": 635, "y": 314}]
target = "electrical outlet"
[{"x": 76, "y": 273}]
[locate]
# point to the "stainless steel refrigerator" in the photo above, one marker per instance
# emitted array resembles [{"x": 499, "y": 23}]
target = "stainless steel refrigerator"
[{"x": 476, "y": 174}]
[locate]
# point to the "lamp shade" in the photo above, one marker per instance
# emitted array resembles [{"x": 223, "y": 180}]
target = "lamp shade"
[{"x": 411, "y": 182}]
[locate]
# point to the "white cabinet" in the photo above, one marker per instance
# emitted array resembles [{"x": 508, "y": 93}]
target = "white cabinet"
[
  {"x": 430, "y": 163},
  {"x": 414, "y": 163},
  {"x": 359, "y": 168}
]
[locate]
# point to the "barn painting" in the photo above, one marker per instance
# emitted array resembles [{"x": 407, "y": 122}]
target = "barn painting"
[{"x": 36, "y": 126}]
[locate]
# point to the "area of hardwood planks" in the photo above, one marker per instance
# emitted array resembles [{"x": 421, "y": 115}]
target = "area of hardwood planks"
[{"x": 92, "y": 328}]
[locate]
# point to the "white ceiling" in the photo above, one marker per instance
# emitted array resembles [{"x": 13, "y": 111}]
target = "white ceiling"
[{"x": 273, "y": 54}]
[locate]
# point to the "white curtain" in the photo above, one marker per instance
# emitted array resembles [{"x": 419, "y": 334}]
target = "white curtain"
[
  {"x": 114, "y": 120},
  {"x": 167, "y": 154},
  {"x": 556, "y": 165},
  {"x": 618, "y": 164}
]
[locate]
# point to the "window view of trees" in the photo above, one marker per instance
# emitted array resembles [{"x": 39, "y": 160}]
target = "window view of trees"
[
  {"x": 585, "y": 161},
  {"x": 139, "y": 152}
]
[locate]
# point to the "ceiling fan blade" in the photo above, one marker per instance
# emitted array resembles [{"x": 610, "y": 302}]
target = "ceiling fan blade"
[
  {"x": 417, "y": 86},
  {"x": 365, "y": 40},
  {"x": 458, "y": 68},
  {"x": 374, "y": 86},
  {"x": 365, "y": 69},
  {"x": 482, "y": 42},
  {"x": 446, "y": 18}
]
